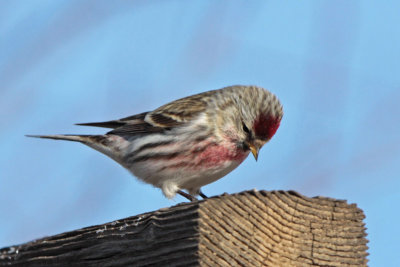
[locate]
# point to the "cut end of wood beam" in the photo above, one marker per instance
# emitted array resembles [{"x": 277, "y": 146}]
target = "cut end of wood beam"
[{"x": 251, "y": 228}]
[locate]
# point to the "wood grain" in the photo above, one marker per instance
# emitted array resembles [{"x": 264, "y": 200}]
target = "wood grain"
[{"x": 252, "y": 228}]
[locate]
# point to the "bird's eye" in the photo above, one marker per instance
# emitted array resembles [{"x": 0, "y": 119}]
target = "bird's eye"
[{"x": 245, "y": 129}]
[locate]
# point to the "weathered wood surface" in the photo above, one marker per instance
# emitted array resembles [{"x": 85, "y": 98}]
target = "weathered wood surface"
[{"x": 252, "y": 228}]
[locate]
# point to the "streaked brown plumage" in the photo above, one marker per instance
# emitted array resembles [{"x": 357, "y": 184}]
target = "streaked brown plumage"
[{"x": 192, "y": 141}]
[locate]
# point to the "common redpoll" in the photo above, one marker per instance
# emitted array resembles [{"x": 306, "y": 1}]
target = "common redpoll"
[{"x": 190, "y": 142}]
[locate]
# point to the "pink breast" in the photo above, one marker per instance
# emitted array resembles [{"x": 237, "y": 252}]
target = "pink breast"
[{"x": 218, "y": 154}]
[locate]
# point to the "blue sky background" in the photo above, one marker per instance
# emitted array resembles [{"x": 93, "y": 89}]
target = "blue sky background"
[{"x": 335, "y": 65}]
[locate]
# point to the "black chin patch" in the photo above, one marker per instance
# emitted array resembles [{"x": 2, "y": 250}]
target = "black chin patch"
[{"x": 243, "y": 146}]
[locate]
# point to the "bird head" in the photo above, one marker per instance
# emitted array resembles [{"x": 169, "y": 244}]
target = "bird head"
[
  {"x": 252, "y": 118},
  {"x": 262, "y": 130}
]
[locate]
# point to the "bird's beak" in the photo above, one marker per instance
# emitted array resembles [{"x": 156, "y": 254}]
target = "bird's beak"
[{"x": 254, "y": 150}]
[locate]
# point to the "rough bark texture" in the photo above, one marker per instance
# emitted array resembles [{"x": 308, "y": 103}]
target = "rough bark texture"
[{"x": 252, "y": 228}]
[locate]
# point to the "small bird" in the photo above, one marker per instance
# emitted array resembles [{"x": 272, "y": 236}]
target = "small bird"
[{"x": 192, "y": 141}]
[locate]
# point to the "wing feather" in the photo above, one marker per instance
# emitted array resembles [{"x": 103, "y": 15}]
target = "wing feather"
[
  {"x": 171, "y": 115},
  {"x": 116, "y": 123},
  {"x": 179, "y": 111}
]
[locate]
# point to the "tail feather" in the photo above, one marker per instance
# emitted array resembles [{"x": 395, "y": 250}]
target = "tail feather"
[
  {"x": 76, "y": 138},
  {"x": 101, "y": 143}
]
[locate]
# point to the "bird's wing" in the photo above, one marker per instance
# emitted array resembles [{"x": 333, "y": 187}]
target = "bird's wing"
[
  {"x": 131, "y": 125},
  {"x": 138, "y": 118},
  {"x": 171, "y": 115},
  {"x": 179, "y": 111}
]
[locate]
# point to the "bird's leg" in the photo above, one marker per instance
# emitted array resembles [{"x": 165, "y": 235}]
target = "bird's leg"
[
  {"x": 202, "y": 195},
  {"x": 188, "y": 196}
]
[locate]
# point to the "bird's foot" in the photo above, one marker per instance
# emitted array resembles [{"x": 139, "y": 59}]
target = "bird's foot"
[
  {"x": 188, "y": 196},
  {"x": 202, "y": 195}
]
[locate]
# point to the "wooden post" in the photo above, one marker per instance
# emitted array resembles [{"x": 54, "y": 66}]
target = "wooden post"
[{"x": 252, "y": 228}]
